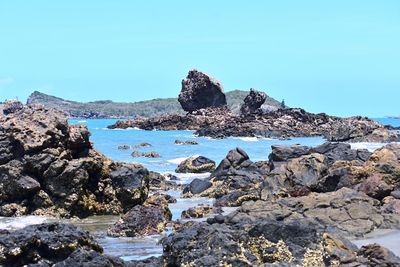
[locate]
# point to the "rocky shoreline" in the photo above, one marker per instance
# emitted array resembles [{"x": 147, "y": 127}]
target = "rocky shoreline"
[
  {"x": 298, "y": 207},
  {"x": 207, "y": 114}
]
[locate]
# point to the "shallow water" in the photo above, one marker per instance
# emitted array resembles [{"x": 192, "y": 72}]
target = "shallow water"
[
  {"x": 107, "y": 141},
  {"x": 387, "y": 238}
]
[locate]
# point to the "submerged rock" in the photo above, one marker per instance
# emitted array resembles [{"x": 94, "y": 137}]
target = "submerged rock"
[
  {"x": 186, "y": 142},
  {"x": 198, "y": 164},
  {"x": 200, "y": 91},
  {"x": 253, "y": 102}
]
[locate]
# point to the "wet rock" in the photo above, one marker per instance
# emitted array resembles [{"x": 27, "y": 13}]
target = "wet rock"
[
  {"x": 151, "y": 154},
  {"x": 197, "y": 212},
  {"x": 90, "y": 258},
  {"x": 48, "y": 167},
  {"x": 160, "y": 182},
  {"x": 186, "y": 142},
  {"x": 379, "y": 256},
  {"x": 131, "y": 183},
  {"x": 253, "y": 102},
  {"x": 124, "y": 147},
  {"x": 197, "y": 186},
  {"x": 200, "y": 91},
  {"x": 43, "y": 244},
  {"x": 198, "y": 164},
  {"x": 147, "y": 219},
  {"x": 141, "y": 145}
]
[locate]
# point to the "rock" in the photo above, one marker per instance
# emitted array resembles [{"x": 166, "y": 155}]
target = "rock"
[
  {"x": 124, "y": 147},
  {"x": 254, "y": 243},
  {"x": 186, "y": 142},
  {"x": 196, "y": 212},
  {"x": 282, "y": 123},
  {"x": 148, "y": 219},
  {"x": 151, "y": 154},
  {"x": 200, "y": 91},
  {"x": 48, "y": 167},
  {"x": 90, "y": 258},
  {"x": 197, "y": 186},
  {"x": 160, "y": 182},
  {"x": 43, "y": 243},
  {"x": 141, "y": 145},
  {"x": 198, "y": 164},
  {"x": 132, "y": 185},
  {"x": 352, "y": 213},
  {"x": 341, "y": 151},
  {"x": 12, "y": 106},
  {"x": 379, "y": 256},
  {"x": 284, "y": 153},
  {"x": 391, "y": 205},
  {"x": 236, "y": 179},
  {"x": 235, "y": 159},
  {"x": 395, "y": 194},
  {"x": 253, "y": 102}
]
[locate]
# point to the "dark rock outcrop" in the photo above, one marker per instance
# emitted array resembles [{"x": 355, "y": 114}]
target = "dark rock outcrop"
[
  {"x": 263, "y": 242},
  {"x": 235, "y": 180},
  {"x": 197, "y": 186},
  {"x": 253, "y": 102},
  {"x": 198, "y": 164},
  {"x": 282, "y": 124},
  {"x": 43, "y": 244},
  {"x": 200, "y": 91},
  {"x": 186, "y": 142},
  {"x": 147, "y": 219},
  {"x": 48, "y": 167}
]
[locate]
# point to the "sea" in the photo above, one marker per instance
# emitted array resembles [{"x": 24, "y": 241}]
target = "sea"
[{"x": 107, "y": 141}]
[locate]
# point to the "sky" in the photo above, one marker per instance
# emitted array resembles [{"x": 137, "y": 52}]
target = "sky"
[{"x": 340, "y": 57}]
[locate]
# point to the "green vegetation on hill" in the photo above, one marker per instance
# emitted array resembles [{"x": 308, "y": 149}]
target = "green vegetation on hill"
[{"x": 149, "y": 108}]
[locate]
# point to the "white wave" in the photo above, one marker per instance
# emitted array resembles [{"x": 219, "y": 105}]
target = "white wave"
[
  {"x": 82, "y": 121},
  {"x": 369, "y": 146},
  {"x": 186, "y": 178},
  {"x": 179, "y": 160},
  {"x": 14, "y": 223},
  {"x": 248, "y": 139}
]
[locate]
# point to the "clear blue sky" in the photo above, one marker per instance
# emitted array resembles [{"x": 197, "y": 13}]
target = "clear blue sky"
[{"x": 339, "y": 57}]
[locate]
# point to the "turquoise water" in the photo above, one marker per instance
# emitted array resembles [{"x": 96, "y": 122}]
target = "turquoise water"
[{"x": 107, "y": 141}]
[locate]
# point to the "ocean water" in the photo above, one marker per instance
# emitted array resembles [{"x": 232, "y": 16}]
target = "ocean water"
[{"x": 107, "y": 142}]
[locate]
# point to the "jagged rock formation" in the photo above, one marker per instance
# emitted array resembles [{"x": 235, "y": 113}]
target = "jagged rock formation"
[
  {"x": 260, "y": 241},
  {"x": 253, "y": 102},
  {"x": 200, "y": 91},
  {"x": 283, "y": 123},
  {"x": 48, "y": 167}
]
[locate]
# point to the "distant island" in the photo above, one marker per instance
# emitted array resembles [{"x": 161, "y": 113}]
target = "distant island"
[{"x": 148, "y": 108}]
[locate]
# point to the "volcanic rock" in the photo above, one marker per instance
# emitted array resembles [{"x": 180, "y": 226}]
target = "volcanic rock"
[
  {"x": 198, "y": 164},
  {"x": 48, "y": 167},
  {"x": 253, "y": 102},
  {"x": 200, "y": 91}
]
